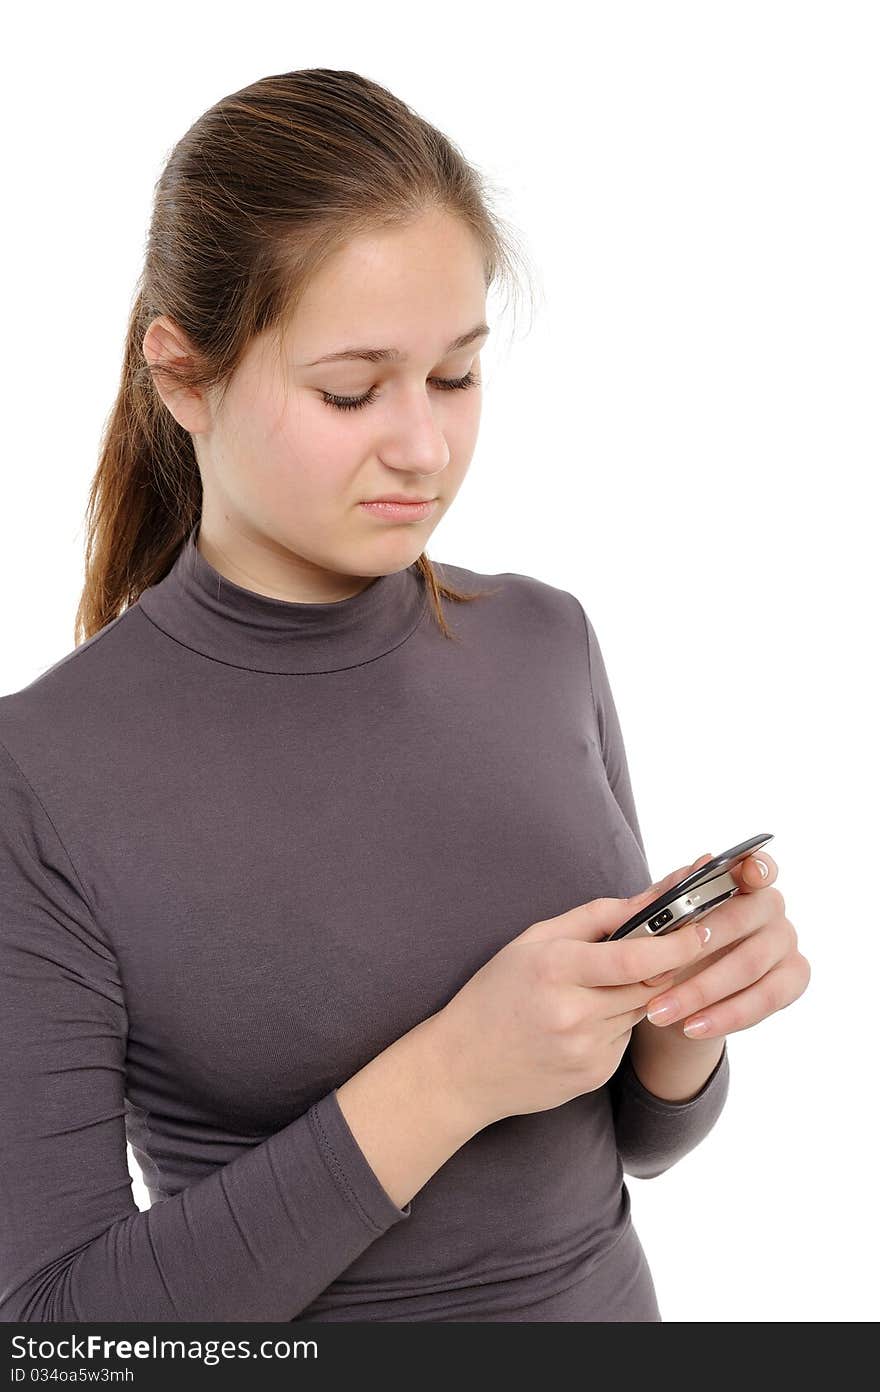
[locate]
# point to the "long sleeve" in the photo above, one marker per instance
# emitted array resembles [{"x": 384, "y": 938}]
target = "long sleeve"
[
  {"x": 652, "y": 1133},
  {"x": 257, "y": 1239}
]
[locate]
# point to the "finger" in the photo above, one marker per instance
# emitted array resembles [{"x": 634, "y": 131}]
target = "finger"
[
  {"x": 749, "y": 874},
  {"x": 628, "y": 1019},
  {"x": 619, "y": 1001},
  {"x": 780, "y": 987},
  {"x": 628, "y": 1004},
  {"x": 626, "y": 1031},
  {"x": 657, "y": 983},
  {"x": 746, "y": 962},
  {"x": 631, "y": 960},
  {"x": 733, "y": 919},
  {"x": 661, "y": 979}
]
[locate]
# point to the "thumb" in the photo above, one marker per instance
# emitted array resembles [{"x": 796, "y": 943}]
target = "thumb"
[{"x": 590, "y": 922}]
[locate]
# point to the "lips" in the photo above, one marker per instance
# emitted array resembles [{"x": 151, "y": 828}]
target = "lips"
[{"x": 400, "y": 512}]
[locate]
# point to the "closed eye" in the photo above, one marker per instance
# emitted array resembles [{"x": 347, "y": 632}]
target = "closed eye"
[{"x": 354, "y": 403}]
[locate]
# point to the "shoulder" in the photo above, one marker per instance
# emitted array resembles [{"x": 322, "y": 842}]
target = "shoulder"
[
  {"x": 61, "y": 706},
  {"x": 72, "y": 663},
  {"x": 524, "y": 597}
]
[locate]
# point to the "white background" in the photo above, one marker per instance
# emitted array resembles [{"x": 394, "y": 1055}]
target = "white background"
[{"x": 685, "y": 435}]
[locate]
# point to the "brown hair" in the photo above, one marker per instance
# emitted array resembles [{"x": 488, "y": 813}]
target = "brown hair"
[{"x": 264, "y": 186}]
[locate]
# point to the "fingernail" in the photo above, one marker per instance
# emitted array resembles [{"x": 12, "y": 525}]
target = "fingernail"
[
  {"x": 696, "y": 1027},
  {"x": 664, "y": 1011},
  {"x": 762, "y": 867}
]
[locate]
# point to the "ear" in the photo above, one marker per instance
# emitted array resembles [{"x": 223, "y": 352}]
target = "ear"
[{"x": 164, "y": 342}]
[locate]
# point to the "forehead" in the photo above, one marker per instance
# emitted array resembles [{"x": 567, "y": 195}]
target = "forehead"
[{"x": 417, "y": 290}]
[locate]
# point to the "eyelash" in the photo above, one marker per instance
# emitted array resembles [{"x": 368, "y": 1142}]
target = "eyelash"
[{"x": 354, "y": 403}]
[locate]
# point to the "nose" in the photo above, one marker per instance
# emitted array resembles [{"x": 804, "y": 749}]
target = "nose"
[{"x": 415, "y": 441}]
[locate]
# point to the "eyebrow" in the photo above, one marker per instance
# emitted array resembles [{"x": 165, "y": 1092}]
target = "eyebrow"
[{"x": 376, "y": 355}]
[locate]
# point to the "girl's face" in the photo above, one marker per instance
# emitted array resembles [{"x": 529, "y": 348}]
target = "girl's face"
[{"x": 289, "y": 455}]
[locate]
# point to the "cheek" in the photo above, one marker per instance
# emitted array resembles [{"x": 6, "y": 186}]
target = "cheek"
[
  {"x": 309, "y": 459},
  {"x": 461, "y": 433},
  {"x": 464, "y": 425}
]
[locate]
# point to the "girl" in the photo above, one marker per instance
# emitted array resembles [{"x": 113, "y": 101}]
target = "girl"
[{"x": 302, "y": 887}]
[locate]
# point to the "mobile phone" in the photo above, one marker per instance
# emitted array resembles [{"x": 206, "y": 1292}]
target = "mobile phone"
[{"x": 693, "y": 897}]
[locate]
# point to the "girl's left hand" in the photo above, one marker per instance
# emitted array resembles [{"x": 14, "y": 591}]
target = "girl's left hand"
[{"x": 755, "y": 969}]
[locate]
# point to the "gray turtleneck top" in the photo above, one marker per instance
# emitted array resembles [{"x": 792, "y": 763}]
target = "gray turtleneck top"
[{"x": 245, "y": 844}]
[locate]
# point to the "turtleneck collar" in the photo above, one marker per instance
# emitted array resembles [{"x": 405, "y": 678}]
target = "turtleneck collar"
[{"x": 200, "y": 608}]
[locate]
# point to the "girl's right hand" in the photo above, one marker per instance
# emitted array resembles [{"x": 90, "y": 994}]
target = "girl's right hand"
[{"x": 550, "y": 1015}]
